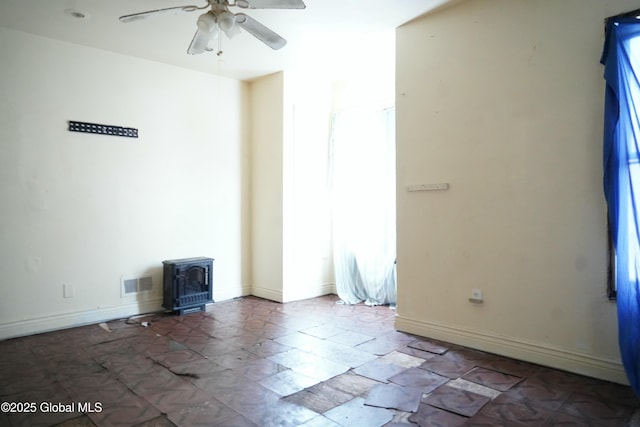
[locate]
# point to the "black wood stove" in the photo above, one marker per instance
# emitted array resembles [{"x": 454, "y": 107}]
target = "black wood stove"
[{"x": 187, "y": 284}]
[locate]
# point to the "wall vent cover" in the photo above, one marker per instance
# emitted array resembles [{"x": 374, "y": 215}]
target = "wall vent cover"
[
  {"x": 145, "y": 284},
  {"x": 130, "y": 286}
]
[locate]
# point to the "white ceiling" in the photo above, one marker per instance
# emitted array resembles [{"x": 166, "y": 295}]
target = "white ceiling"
[{"x": 326, "y": 36}]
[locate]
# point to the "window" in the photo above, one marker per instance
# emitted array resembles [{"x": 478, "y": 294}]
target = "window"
[{"x": 621, "y": 59}]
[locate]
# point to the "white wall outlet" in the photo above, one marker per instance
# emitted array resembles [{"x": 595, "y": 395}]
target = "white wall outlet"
[
  {"x": 68, "y": 291},
  {"x": 476, "y": 296}
]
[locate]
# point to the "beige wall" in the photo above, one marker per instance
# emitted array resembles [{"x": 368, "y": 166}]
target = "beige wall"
[
  {"x": 267, "y": 118},
  {"x": 86, "y": 210},
  {"x": 206, "y": 177},
  {"x": 503, "y": 100}
]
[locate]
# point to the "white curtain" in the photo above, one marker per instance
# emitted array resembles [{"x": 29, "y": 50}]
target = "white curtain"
[{"x": 363, "y": 189}]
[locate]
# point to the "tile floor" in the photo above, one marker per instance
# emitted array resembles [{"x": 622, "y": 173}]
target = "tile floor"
[{"x": 252, "y": 362}]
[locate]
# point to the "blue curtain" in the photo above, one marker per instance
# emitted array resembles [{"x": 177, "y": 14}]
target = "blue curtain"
[{"x": 622, "y": 180}]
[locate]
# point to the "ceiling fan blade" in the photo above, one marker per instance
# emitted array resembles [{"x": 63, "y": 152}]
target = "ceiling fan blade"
[
  {"x": 259, "y": 31},
  {"x": 272, "y": 4},
  {"x": 199, "y": 42},
  {"x": 144, "y": 15}
]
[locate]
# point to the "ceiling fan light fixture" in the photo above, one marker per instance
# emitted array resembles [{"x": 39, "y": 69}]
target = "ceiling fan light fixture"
[
  {"x": 226, "y": 21},
  {"x": 207, "y": 22},
  {"x": 234, "y": 31}
]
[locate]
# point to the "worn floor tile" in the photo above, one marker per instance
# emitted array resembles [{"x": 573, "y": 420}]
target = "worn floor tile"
[
  {"x": 259, "y": 369},
  {"x": 486, "y": 421},
  {"x": 320, "y": 421},
  {"x": 319, "y": 398},
  {"x": 473, "y": 387},
  {"x": 447, "y": 367},
  {"x": 525, "y": 412},
  {"x": 424, "y": 355},
  {"x": 392, "y": 396},
  {"x": 280, "y": 413},
  {"x": 356, "y": 413},
  {"x": 250, "y": 362},
  {"x": 287, "y": 382},
  {"x": 402, "y": 359},
  {"x": 130, "y": 411},
  {"x": 323, "y": 331},
  {"x": 203, "y": 414},
  {"x": 81, "y": 421},
  {"x": 378, "y": 370},
  {"x": 435, "y": 417},
  {"x": 267, "y": 348},
  {"x": 309, "y": 364},
  {"x": 416, "y": 377},
  {"x": 39, "y": 410},
  {"x": 350, "y": 338},
  {"x": 174, "y": 358},
  {"x": 379, "y": 347},
  {"x": 543, "y": 393},
  {"x": 171, "y": 400},
  {"x": 151, "y": 382},
  {"x": 429, "y": 346},
  {"x": 456, "y": 400},
  {"x": 197, "y": 369},
  {"x": 513, "y": 367},
  {"x": 557, "y": 419},
  {"x": 493, "y": 379},
  {"x": 595, "y": 408},
  {"x": 351, "y": 383}
]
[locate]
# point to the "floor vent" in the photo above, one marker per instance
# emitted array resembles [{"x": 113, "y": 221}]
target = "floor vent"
[{"x": 134, "y": 285}]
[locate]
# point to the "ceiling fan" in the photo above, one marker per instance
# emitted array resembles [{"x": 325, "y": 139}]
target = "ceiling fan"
[{"x": 219, "y": 17}]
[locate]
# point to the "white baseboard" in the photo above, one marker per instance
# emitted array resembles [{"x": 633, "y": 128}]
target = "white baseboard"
[
  {"x": 78, "y": 318},
  {"x": 227, "y": 293},
  {"x": 310, "y": 292},
  {"x": 303, "y": 293},
  {"x": 266, "y": 293},
  {"x": 131, "y": 308},
  {"x": 542, "y": 354}
]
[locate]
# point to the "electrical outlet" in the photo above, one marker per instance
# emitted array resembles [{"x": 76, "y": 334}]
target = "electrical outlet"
[
  {"x": 476, "y": 296},
  {"x": 68, "y": 291}
]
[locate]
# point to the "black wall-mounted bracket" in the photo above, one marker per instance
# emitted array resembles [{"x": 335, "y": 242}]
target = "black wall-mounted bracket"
[{"x": 102, "y": 129}]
